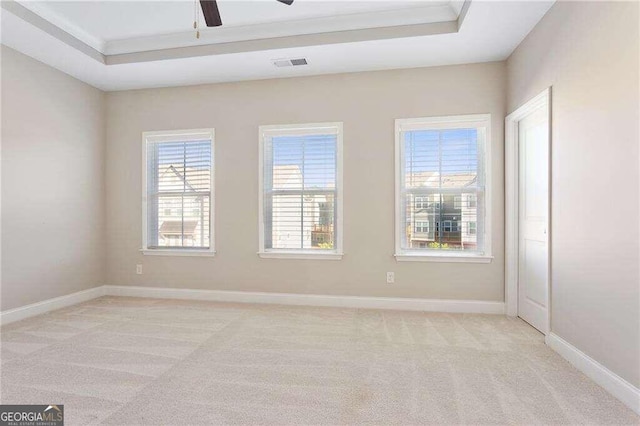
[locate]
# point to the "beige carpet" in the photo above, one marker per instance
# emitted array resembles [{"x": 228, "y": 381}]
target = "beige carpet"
[{"x": 141, "y": 361}]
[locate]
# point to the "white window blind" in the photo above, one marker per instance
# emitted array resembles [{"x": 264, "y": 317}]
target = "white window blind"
[
  {"x": 300, "y": 189},
  {"x": 179, "y": 183},
  {"x": 442, "y": 185}
]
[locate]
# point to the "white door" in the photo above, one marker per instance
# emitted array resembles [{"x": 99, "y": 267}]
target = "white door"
[{"x": 533, "y": 256}]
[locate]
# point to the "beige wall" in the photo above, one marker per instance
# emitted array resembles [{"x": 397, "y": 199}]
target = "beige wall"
[
  {"x": 588, "y": 52},
  {"x": 52, "y": 182},
  {"x": 367, "y": 103}
]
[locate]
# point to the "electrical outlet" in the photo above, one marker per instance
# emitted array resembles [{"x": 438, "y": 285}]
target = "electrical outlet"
[
  {"x": 391, "y": 277},
  {"x": 139, "y": 269}
]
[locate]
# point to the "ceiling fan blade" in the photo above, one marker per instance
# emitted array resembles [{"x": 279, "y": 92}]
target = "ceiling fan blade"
[
  {"x": 211, "y": 13},
  {"x": 287, "y": 2}
]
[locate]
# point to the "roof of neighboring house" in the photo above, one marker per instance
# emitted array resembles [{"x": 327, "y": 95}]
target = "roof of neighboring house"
[
  {"x": 289, "y": 176},
  {"x": 172, "y": 178},
  {"x": 432, "y": 179},
  {"x": 174, "y": 227}
]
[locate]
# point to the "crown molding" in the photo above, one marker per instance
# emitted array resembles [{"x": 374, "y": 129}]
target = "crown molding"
[
  {"x": 30, "y": 17},
  {"x": 270, "y": 30},
  {"x": 41, "y": 10},
  {"x": 338, "y": 37}
]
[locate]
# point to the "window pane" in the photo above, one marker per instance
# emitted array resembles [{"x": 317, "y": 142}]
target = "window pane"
[
  {"x": 459, "y": 154},
  {"x": 441, "y": 190},
  {"x": 439, "y": 223},
  {"x": 310, "y": 157},
  {"x": 179, "y": 194},
  {"x": 441, "y": 158},
  {"x": 422, "y": 161},
  {"x": 300, "y": 192},
  {"x": 178, "y": 229},
  {"x": 303, "y": 221}
]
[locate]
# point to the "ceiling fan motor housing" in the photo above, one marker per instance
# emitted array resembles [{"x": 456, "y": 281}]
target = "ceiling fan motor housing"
[{"x": 212, "y": 14}]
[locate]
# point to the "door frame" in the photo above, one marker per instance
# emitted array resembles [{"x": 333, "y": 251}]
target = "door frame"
[{"x": 512, "y": 188}]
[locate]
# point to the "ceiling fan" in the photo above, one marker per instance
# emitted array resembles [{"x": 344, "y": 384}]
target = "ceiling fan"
[{"x": 212, "y": 15}]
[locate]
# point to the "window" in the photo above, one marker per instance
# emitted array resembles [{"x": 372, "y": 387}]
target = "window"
[
  {"x": 450, "y": 226},
  {"x": 472, "y": 228},
  {"x": 422, "y": 227},
  {"x": 471, "y": 201},
  {"x": 458, "y": 203},
  {"x": 465, "y": 201},
  {"x": 178, "y": 192},
  {"x": 422, "y": 203},
  {"x": 301, "y": 191},
  {"x": 442, "y": 181}
]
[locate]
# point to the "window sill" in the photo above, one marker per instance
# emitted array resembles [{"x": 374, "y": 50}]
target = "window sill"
[
  {"x": 173, "y": 252},
  {"x": 443, "y": 258},
  {"x": 300, "y": 255}
]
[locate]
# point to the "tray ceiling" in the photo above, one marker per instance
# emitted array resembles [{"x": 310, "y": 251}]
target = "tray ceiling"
[{"x": 118, "y": 45}]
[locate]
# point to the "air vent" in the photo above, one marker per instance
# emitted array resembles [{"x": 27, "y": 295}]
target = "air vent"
[{"x": 289, "y": 62}]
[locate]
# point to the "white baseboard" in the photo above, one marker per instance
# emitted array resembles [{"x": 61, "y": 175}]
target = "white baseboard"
[
  {"x": 407, "y": 304},
  {"x": 611, "y": 382},
  {"x": 49, "y": 305}
]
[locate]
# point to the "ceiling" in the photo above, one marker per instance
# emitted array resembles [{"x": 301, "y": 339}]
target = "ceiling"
[
  {"x": 105, "y": 21},
  {"x": 116, "y": 45}
]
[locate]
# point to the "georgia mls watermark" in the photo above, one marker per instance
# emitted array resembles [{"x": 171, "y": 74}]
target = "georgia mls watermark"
[{"x": 31, "y": 415}]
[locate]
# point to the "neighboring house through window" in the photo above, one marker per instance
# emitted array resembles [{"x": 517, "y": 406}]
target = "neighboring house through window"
[
  {"x": 301, "y": 191},
  {"x": 178, "y": 192},
  {"x": 442, "y": 172}
]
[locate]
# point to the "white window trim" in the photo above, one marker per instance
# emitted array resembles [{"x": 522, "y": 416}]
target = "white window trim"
[
  {"x": 294, "y": 130},
  {"x": 179, "y": 252},
  {"x": 300, "y": 255},
  {"x": 443, "y": 123},
  {"x": 178, "y": 135},
  {"x": 435, "y": 256}
]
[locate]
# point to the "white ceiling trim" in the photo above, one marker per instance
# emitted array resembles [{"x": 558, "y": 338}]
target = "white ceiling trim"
[
  {"x": 330, "y": 24},
  {"x": 306, "y": 40}
]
